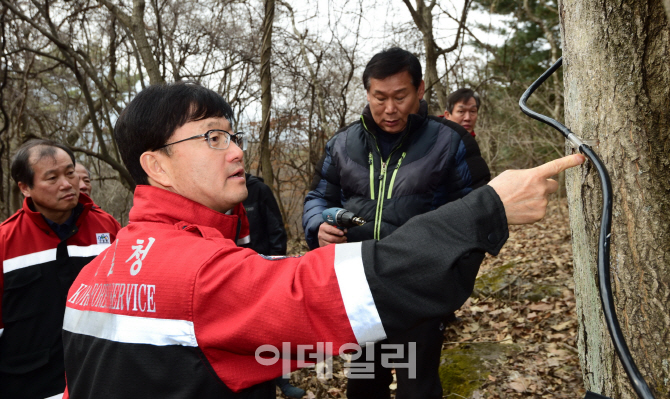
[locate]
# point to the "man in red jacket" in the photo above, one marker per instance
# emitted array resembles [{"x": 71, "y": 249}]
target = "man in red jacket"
[
  {"x": 174, "y": 309},
  {"x": 43, "y": 246},
  {"x": 463, "y": 108},
  {"x": 84, "y": 179}
]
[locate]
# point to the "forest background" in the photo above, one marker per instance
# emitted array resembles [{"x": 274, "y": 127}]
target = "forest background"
[
  {"x": 68, "y": 68},
  {"x": 292, "y": 72}
]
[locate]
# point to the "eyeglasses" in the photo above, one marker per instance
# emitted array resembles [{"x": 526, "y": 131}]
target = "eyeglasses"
[{"x": 218, "y": 139}]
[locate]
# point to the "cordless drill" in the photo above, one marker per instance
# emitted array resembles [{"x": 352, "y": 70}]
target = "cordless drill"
[{"x": 341, "y": 218}]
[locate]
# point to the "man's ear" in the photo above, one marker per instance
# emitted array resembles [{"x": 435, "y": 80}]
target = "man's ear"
[
  {"x": 154, "y": 165},
  {"x": 447, "y": 115},
  {"x": 421, "y": 90},
  {"x": 25, "y": 190}
]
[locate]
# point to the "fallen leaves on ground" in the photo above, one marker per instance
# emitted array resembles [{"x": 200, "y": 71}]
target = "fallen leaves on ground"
[{"x": 541, "y": 321}]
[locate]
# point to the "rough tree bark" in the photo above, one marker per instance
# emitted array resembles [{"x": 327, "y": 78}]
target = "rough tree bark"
[
  {"x": 266, "y": 93},
  {"x": 135, "y": 23},
  {"x": 423, "y": 18},
  {"x": 617, "y": 75}
]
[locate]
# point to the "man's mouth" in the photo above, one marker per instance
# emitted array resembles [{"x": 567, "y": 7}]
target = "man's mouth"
[
  {"x": 391, "y": 124},
  {"x": 68, "y": 197},
  {"x": 239, "y": 173}
]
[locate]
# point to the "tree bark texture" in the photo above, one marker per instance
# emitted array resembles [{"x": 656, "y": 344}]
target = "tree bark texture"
[
  {"x": 423, "y": 19},
  {"x": 617, "y": 79},
  {"x": 135, "y": 23},
  {"x": 266, "y": 93}
]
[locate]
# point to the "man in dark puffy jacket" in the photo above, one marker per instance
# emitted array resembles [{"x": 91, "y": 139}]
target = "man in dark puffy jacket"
[{"x": 394, "y": 163}]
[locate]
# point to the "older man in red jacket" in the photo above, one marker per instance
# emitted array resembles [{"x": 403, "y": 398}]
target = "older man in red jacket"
[{"x": 43, "y": 246}]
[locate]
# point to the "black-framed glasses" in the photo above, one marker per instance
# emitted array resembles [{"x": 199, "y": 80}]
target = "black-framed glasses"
[{"x": 218, "y": 139}]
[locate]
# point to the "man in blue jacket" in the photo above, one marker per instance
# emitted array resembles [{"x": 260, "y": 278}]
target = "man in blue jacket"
[{"x": 394, "y": 163}]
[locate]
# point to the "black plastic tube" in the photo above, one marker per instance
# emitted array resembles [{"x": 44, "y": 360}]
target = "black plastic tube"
[
  {"x": 531, "y": 89},
  {"x": 604, "y": 283}
]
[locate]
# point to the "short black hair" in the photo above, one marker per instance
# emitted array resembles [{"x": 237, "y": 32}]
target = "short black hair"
[
  {"x": 389, "y": 62},
  {"x": 459, "y": 95},
  {"x": 156, "y": 112},
  {"x": 22, "y": 170}
]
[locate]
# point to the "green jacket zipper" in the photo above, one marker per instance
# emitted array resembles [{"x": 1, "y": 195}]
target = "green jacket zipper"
[
  {"x": 395, "y": 172},
  {"x": 380, "y": 200},
  {"x": 382, "y": 176},
  {"x": 372, "y": 175}
]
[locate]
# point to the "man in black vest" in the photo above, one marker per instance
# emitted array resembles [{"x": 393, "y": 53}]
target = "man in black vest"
[
  {"x": 394, "y": 163},
  {"x": 266, "y": 226}
]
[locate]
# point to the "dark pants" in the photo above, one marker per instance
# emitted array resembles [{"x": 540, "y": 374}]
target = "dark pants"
[{"x": 428, "y": 337}]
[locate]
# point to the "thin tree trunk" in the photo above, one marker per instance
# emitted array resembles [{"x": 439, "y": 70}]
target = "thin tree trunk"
[
  {"x": 266, "y": 93},
  {"x": 423, "y": 19},
  {"x": 135, "y": 23},
  {"x": 433, "y": 83},
  {"x": 616, "y": 78}
]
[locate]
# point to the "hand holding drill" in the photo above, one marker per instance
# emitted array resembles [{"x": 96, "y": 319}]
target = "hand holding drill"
[{"x": 337, "y": 220}]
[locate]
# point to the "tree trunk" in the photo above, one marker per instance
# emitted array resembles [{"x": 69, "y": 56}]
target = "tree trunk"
[
  {"x": 266, "y": 93},
  {"x": 433, "y": 83},
  {"x": 423, "y": 19},
  {"x": 143, "y": 46},
  {"x": 616, "y": 78},
  {"x": 135, "y": 23}
]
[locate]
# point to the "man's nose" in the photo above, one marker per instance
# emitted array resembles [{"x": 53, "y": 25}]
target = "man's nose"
[
  {"x": 390, "y": 107},
  {"x": 234, "y": 153},
  {"x": 66, "y": 184}
]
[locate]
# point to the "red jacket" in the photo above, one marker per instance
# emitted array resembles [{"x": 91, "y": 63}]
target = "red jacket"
[
  {"x": 175, "y": 309},
  {"x": 37, "y": 270},
  {"x": 242, "y": 237}
]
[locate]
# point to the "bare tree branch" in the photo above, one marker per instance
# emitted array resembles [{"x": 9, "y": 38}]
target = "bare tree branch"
[
  {"x": 135, "y": 23},
  {"x": 127, "y": 178}
]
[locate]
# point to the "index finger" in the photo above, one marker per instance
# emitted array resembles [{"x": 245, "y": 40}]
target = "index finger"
[{"x": 559, "y": 165}]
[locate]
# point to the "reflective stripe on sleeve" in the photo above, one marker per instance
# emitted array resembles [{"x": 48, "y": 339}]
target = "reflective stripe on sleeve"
[
  {"x": 130, "y": 329},
  {"x": 244, "y": 240},
  {"x": 91, "y": 250},
  {"x": 356, "y": 294},
  {"x": 49, "y": 255},
  {"x": 35, "y": 258}
]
